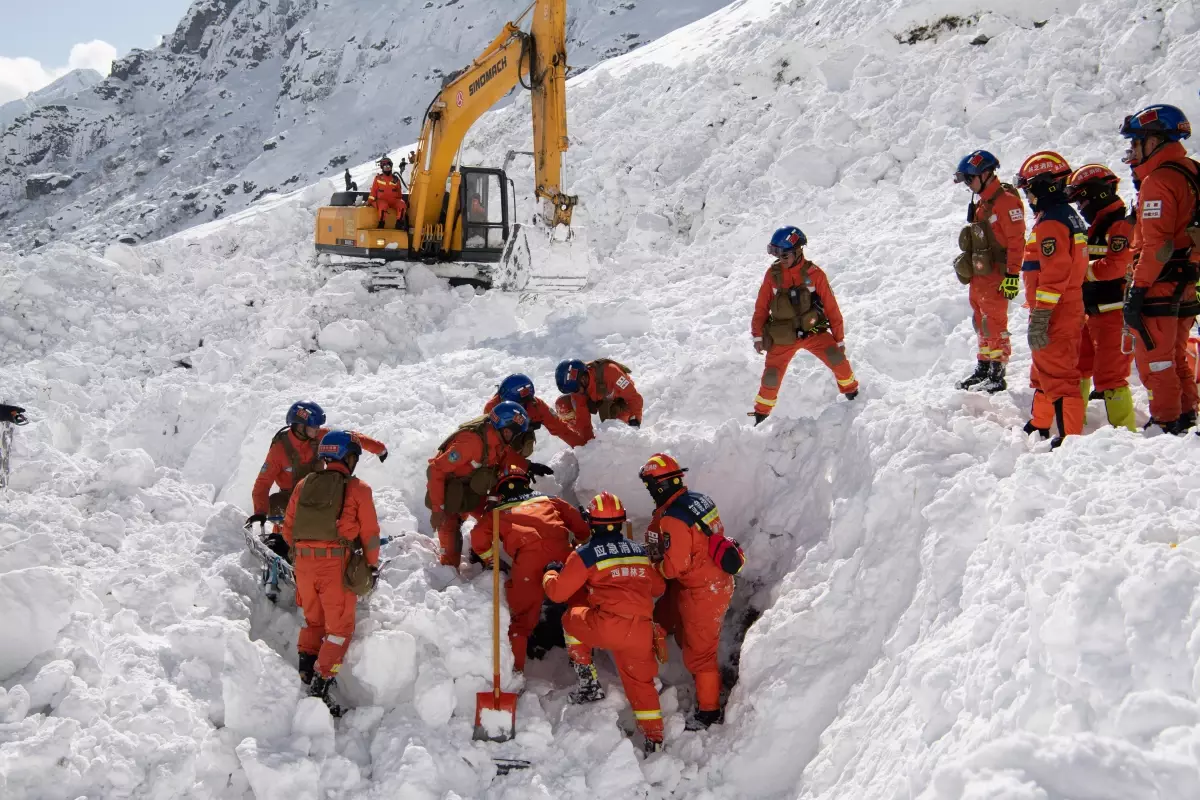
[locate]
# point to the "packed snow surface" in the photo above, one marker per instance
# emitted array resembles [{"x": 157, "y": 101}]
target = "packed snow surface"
[{"x": 942, "y": 609}]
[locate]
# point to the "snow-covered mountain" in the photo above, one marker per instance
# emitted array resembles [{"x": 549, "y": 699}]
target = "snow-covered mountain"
[
  {"x": 251, "y": 97},
  {"x": 935, "y": 607},
  {"x": 59, "y": 91}
]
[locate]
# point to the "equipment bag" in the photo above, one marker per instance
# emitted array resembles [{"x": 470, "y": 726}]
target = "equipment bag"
[{"x": 357, "y": 575}]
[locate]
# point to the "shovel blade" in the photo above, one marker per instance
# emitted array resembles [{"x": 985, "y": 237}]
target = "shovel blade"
[{"x": 495, "y": 716}]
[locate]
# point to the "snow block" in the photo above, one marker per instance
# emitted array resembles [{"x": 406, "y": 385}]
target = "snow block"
[
  {"x": 279, "y": 776},
  {"x": 259, "y": 690},
  {"x": 385, "y": 664},
  {"x": 35, "y": 604},
  {"x": 435, "y": 698}
]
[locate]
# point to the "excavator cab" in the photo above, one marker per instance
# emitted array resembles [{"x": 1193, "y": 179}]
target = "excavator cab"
[{"x": 484, "y": 212}]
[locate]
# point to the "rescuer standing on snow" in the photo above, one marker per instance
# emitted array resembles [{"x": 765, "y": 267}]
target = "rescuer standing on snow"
[
  {"x": 1056, "y": 260},
  {"x": 387, "y": 193},
  {"x": 328, "y": 515},
  {"x": 601, "y": 387},
  {"x": 796, "y": 310},
  {"x": 1093, "y": 190},
  {"x": 686, "y": 540},
  {"x": 992, "y": 244},
  {"x": 1161, "y": 306}
]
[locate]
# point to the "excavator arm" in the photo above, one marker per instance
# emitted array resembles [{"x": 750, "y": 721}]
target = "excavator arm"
[{"x": 536, "y": 60}]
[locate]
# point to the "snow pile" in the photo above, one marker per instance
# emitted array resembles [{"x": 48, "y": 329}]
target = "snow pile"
[{"x": 935, "y": 606}]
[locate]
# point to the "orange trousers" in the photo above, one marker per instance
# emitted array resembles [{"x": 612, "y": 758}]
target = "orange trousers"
[
  {"x": 450, "y": 536},
  {"x": 695, "y": 617},
  {"x": 385, "y": 204},
  {"x": 328, "y": 611},
  {"x": 990, "y": 317},
  {"x": 821, "y": 345},
  {"x": 525, "y": 594},
  {"x": 1055, "y": 372},
  {"x": 631, "y": 642},
  {"x": 1164, "y": 370},
  {"x": 1100, "y": 356}
]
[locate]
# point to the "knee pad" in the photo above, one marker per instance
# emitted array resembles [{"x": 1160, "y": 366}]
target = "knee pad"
[{"x": 771, "y": 378}]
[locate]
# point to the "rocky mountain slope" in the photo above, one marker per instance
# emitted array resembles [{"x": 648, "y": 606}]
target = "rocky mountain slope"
[{"x": 250, "y": 97}]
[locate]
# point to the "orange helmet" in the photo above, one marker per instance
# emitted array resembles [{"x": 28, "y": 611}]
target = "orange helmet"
[
  {"x": 1044, "y": 166},
  {"x": 606, "y": 509},
  {"x": 660, "y": 467},
  {"x": 1092, "y": 182}
]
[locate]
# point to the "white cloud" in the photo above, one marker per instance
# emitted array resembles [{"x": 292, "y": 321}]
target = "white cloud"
[{"x": 20, "y": 76}]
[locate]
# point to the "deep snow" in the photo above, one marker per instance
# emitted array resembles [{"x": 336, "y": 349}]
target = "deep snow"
[{"x": 948, "y": 610}]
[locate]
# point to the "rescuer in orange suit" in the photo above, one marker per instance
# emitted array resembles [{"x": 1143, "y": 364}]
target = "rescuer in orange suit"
[
  {"x": 602, "y": 387},
  {"x": 615, "y": 614},
  {"x": 1056, "y": 261},
  {"x": 292, "y": 455},
  {"x": 993, "y": 244},
  {"x": 387, "y": 192},
  {"x": 1162, "y": 303},
  {"x": 519, "y": 389},
  {"x": 796, "y": 310},
  {"x": 1093, "y": 190},
  {"x": 329, "y": 511},
  {"x": 465, "y": 469},
  {"x": 534, "y": 531},
  {"x": 686, "y": 540}
]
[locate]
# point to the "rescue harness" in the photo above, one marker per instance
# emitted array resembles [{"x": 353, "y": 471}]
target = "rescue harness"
[
  {"x": 1181, "y": 268},
  {"x": 982, "y": 252}
]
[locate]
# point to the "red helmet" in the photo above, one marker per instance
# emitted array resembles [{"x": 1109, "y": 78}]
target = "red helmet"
[
  {"x": 606, "y": 509},
  {"x": 660, "y": 467},
  {"x": 385, "y": 162},
  {"x": 511, "y": 480},
  {"x": 1092, "y": 181},
  {"x": 1046, "y": 165}
]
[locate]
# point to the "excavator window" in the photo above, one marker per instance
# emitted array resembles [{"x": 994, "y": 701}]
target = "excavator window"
[{"x": 485, "y": 210}]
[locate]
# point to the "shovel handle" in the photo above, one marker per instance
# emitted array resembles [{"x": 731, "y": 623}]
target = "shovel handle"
[{"x": 496, "y": 603}]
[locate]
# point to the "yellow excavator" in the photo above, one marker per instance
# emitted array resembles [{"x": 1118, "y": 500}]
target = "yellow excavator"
[{"x": 459, "y": 219}]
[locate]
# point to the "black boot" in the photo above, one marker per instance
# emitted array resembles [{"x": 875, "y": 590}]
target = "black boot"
[
  {"x": 320, "y": 687},
  {"x": 982, "y": 369},
  {"x": 589, "y": 689},
  {"x": 651, "y": 746},
  {"x": 702, "y": 719},
  {"x": 1187, "y": 421},
  {"x": 758, "y": 418},
  {"x": 1030, "y": 428},
  {"x": 994, "y": 382},
  {"x": 307, "y": 666},
  {"x": 851, "y": 395}
]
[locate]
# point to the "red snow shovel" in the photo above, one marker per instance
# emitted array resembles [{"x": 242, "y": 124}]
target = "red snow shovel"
[{"x": 495, "y": 711}]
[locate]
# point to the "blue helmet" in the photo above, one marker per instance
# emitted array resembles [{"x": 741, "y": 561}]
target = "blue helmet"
[
  {"x": 785, "y": 240},
  {"x": 567, "y": 375},
  {"x": 517, "y": 388},
  {"x": 1157, "y": 120},
  {"x": 336, "y": 445},
  {"x": 508, "y": 415},
  {"x": 974, "y": 164},
  {"x": 307, "y": 413}
]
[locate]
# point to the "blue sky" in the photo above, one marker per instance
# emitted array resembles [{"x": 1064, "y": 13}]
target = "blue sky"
[{"x": 38, "y": 36}]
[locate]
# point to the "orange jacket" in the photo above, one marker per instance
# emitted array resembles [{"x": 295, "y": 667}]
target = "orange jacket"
[
  {"x": 1056, "y": 258},
  {"x": 619, "y": 385},
  {"x": 1166, "y": 206},
  {"x": 572, "y": 409},
  {"x": 805, "y": 273},
  {"x": 539, "y": 412},
  {"x": 619, "y": 577},
  {"x": 1007, "y": 221},
  {"x": 277, "y": 469},
  {"x": 462, "y": 456},
  {"x": 358, "y": 519},
  {"x": 685, "y": 546},
  {"x": 533, "y": 522},
  {"x": 386, "y": 187}
]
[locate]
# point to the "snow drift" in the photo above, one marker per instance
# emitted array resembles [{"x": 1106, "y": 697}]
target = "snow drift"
[{"x": 935, "y": 606}]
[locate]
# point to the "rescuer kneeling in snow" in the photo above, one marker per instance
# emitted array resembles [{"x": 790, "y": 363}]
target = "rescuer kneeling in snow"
[
  {"x": 616, "y": 613},
  {"x": 796, "y": 310},
  {"x": 519, "y": 389},
  {"x": 601, "y": 387},
  {"x": 686, "y": 540},
  {"x": 535, "y": 530},
  {"x": 329, "y": 515},
  {"x": 387, "y": 194}
]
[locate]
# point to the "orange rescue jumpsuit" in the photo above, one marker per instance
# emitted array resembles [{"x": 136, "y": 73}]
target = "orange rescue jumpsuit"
[
  {"x": 1056, "y": 261},
  {"x": 1100, "y": 356},
  {"x": 621, "y": 586},
  {"x": 534, "y": 530},
  {"x": 1005, "y": 213},
  {"x": 388, "y": 193},
  {"x": 1166, "y": 207},
  {"x": 288, "y": 455},
  {"x": 698, "y": 590},
  {"x": 328, "y": 606},
  {"x": 825, "y": 345},
  {"x": 540, "y": 414},
  {"x": 461, "y": 456},
  {"x": 577, "y": 409}
]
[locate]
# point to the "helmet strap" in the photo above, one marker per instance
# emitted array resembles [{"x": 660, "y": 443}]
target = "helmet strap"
[{"x": 298, "y": 430}]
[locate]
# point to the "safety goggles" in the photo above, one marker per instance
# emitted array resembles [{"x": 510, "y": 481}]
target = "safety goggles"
[
  {"x": 779, "y": 252},
  {"x": 962, "y": 177}
]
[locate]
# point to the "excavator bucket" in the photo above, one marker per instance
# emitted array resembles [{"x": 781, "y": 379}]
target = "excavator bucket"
[{"x": 551, "y": 261}]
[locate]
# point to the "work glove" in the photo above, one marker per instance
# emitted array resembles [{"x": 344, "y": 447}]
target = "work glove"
[
  {"x": 1010, "y": 286},
  {"x": 537, "y": 470},
  {"x": 13, "y": 414},
  {"x": 383, "y": 456},
  {"x": 277, "y": 545},
  {"x": 473, "y": 558},
  {"x": 553, "y": 566},
  {"x": 437, "y": 518},
  {"x": 1039, "y": 328},
  {"x": 634, "y": 422},
  {"x": 759, "y": 347},
  {"x": 253, "y": 518},
  {"x": 374, "y": 576},
  {"x": 535, "y": 426},
  {"x": 1132, "y": 314}
]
